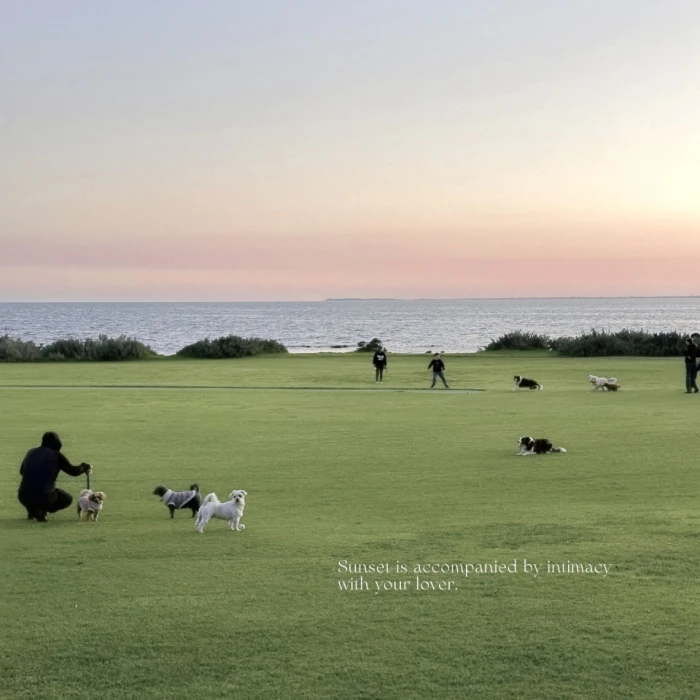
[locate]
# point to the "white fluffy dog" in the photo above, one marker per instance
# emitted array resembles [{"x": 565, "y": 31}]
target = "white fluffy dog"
[
  {"x": 600, "y": 382},
  {"x": 212, "y": 507}
]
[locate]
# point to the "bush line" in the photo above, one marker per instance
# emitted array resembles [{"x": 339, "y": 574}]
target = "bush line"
[
  {"x": 595, "y": 343},
  {"x": 105, "y": 349}
]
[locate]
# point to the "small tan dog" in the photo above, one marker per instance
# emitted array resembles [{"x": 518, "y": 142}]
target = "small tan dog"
[
  {"x": 90, "y": 504},
  {"x": 611, "y": 386}
]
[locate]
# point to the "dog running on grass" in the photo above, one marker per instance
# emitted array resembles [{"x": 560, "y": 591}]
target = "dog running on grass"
[
  {"x": 525, "y": 383},
  {"x": 611, "y": 386},
  {"x": 180, "y": 499},
  {"x": 600, "y": 382},
  {"x": 232, "y": 511},
  {"x": 540, "y": 446},
  {"x": 90, "y": 504}
]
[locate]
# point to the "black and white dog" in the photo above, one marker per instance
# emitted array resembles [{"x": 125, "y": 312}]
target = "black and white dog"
[
  {"x": 525, "y": 383},
  {"x": 180, "y": 499},
  {"x": 539, "y": 446}
]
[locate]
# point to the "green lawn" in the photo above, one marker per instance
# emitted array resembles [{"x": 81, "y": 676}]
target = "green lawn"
[{"x": 139, "y": 606}]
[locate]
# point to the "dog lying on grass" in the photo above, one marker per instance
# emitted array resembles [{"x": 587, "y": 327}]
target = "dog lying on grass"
[
  {"x": 539, "y": 446},
  {"x": 90, "y": 504},
  {"x": 213, "y": 508},
  {"x": 180, "y": 499}
]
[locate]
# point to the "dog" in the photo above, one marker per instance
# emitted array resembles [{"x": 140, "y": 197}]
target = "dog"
[
  {"x": 524, "y": 383},
  {"x": 600, "y": 382},
  {"x": 539, "y": 446},
  {"x": 213, "y": 508},
  {"x": 611, "y": 386},
  {"x": 180, "y": 499},
  {"x": 90, "y": 504}
]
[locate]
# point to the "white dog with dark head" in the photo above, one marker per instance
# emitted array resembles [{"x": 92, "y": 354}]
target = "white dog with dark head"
[{"x": 212, "y": 507}]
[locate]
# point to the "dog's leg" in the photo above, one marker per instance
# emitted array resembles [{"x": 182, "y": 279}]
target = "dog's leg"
[{"x": 171, "y": 508}]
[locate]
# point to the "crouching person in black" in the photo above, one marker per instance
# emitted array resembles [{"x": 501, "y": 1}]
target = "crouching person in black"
[{"x": 39, "y": 470}]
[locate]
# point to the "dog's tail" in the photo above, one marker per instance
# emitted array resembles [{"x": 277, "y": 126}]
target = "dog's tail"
[
  {"x": 85, "y": 492},
  {"x": 210, "y": 498},
  {"x": 194, "y": 487},
  {"x": 558, "y": 449}
]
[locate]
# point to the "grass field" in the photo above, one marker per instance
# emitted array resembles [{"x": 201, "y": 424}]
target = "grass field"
[{"x": 139, "y": 606}]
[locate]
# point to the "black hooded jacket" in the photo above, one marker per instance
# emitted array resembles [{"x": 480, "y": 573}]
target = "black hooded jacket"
[
  {"x": 379, "y": 359},
  {"x": 40, "y": 469}
]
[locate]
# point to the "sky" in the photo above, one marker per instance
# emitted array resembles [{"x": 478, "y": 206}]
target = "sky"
[{"x": 225, "y": 150}]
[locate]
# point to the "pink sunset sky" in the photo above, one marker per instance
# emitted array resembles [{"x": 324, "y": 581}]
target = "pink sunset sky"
[{"x": 294, "y": 151}]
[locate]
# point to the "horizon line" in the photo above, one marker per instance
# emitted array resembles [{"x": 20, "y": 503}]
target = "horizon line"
[{"x": 351, "y": 299}]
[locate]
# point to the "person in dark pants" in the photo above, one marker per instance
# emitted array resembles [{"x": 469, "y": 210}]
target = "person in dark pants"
[
  {"x": 691, "y": 367},
  {"x": 438, "y": 367},
  {"x": 40, "y": 468},
  {"x": 380, "y": 363}
]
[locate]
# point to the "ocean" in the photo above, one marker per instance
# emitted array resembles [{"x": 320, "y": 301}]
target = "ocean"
[{"x": 409, "y": 326}]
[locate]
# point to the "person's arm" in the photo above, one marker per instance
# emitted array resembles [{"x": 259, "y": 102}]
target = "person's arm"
[
  {"x": 431, "y": 364},
  {"x": 68, "y": 468}
]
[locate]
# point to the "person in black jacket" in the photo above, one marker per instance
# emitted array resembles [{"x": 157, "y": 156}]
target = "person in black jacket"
[
  {"x": 691, "y": 366},
  {"x": 380, "y": 363},
  {"x": 438, "y": 367},
  {"x": 40, "y": 468}
]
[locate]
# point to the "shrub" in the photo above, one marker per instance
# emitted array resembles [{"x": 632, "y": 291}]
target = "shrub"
[
  {"x": 520, "y": 340},
  {"x": 230, "y": 346},
  {"x": 16, "y": 350},
  {"x": 101, "y": 349},
  {"x": 595, "y": 343},
  {"x": 372, "y": 346},
  {"x": 624, "y": 342}
]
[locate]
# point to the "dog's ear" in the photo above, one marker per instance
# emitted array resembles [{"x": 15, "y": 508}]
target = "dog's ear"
[{"x": 245, "y": 493}]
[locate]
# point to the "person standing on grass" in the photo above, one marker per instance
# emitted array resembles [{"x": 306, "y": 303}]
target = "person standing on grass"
[
  {"x": 379, "y": 361},
  {"x": 691, "y": 366},
  {"x": 438, "y": 367},
  {"x": 40, "y": 468}
]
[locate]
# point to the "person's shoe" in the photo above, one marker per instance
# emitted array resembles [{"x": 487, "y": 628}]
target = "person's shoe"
[
  {"x": 688, "y": 392},
  {"x": 695, "y": 391},
  {"x": 42, "y": 518},
  {"x": 30, "y": 516}
]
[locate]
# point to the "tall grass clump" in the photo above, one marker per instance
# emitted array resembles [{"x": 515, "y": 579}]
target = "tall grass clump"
[
  {"x": 520, "y": 340},
  {"x": 230, "y": 346},
  {"x": 625, "y": 342}
]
